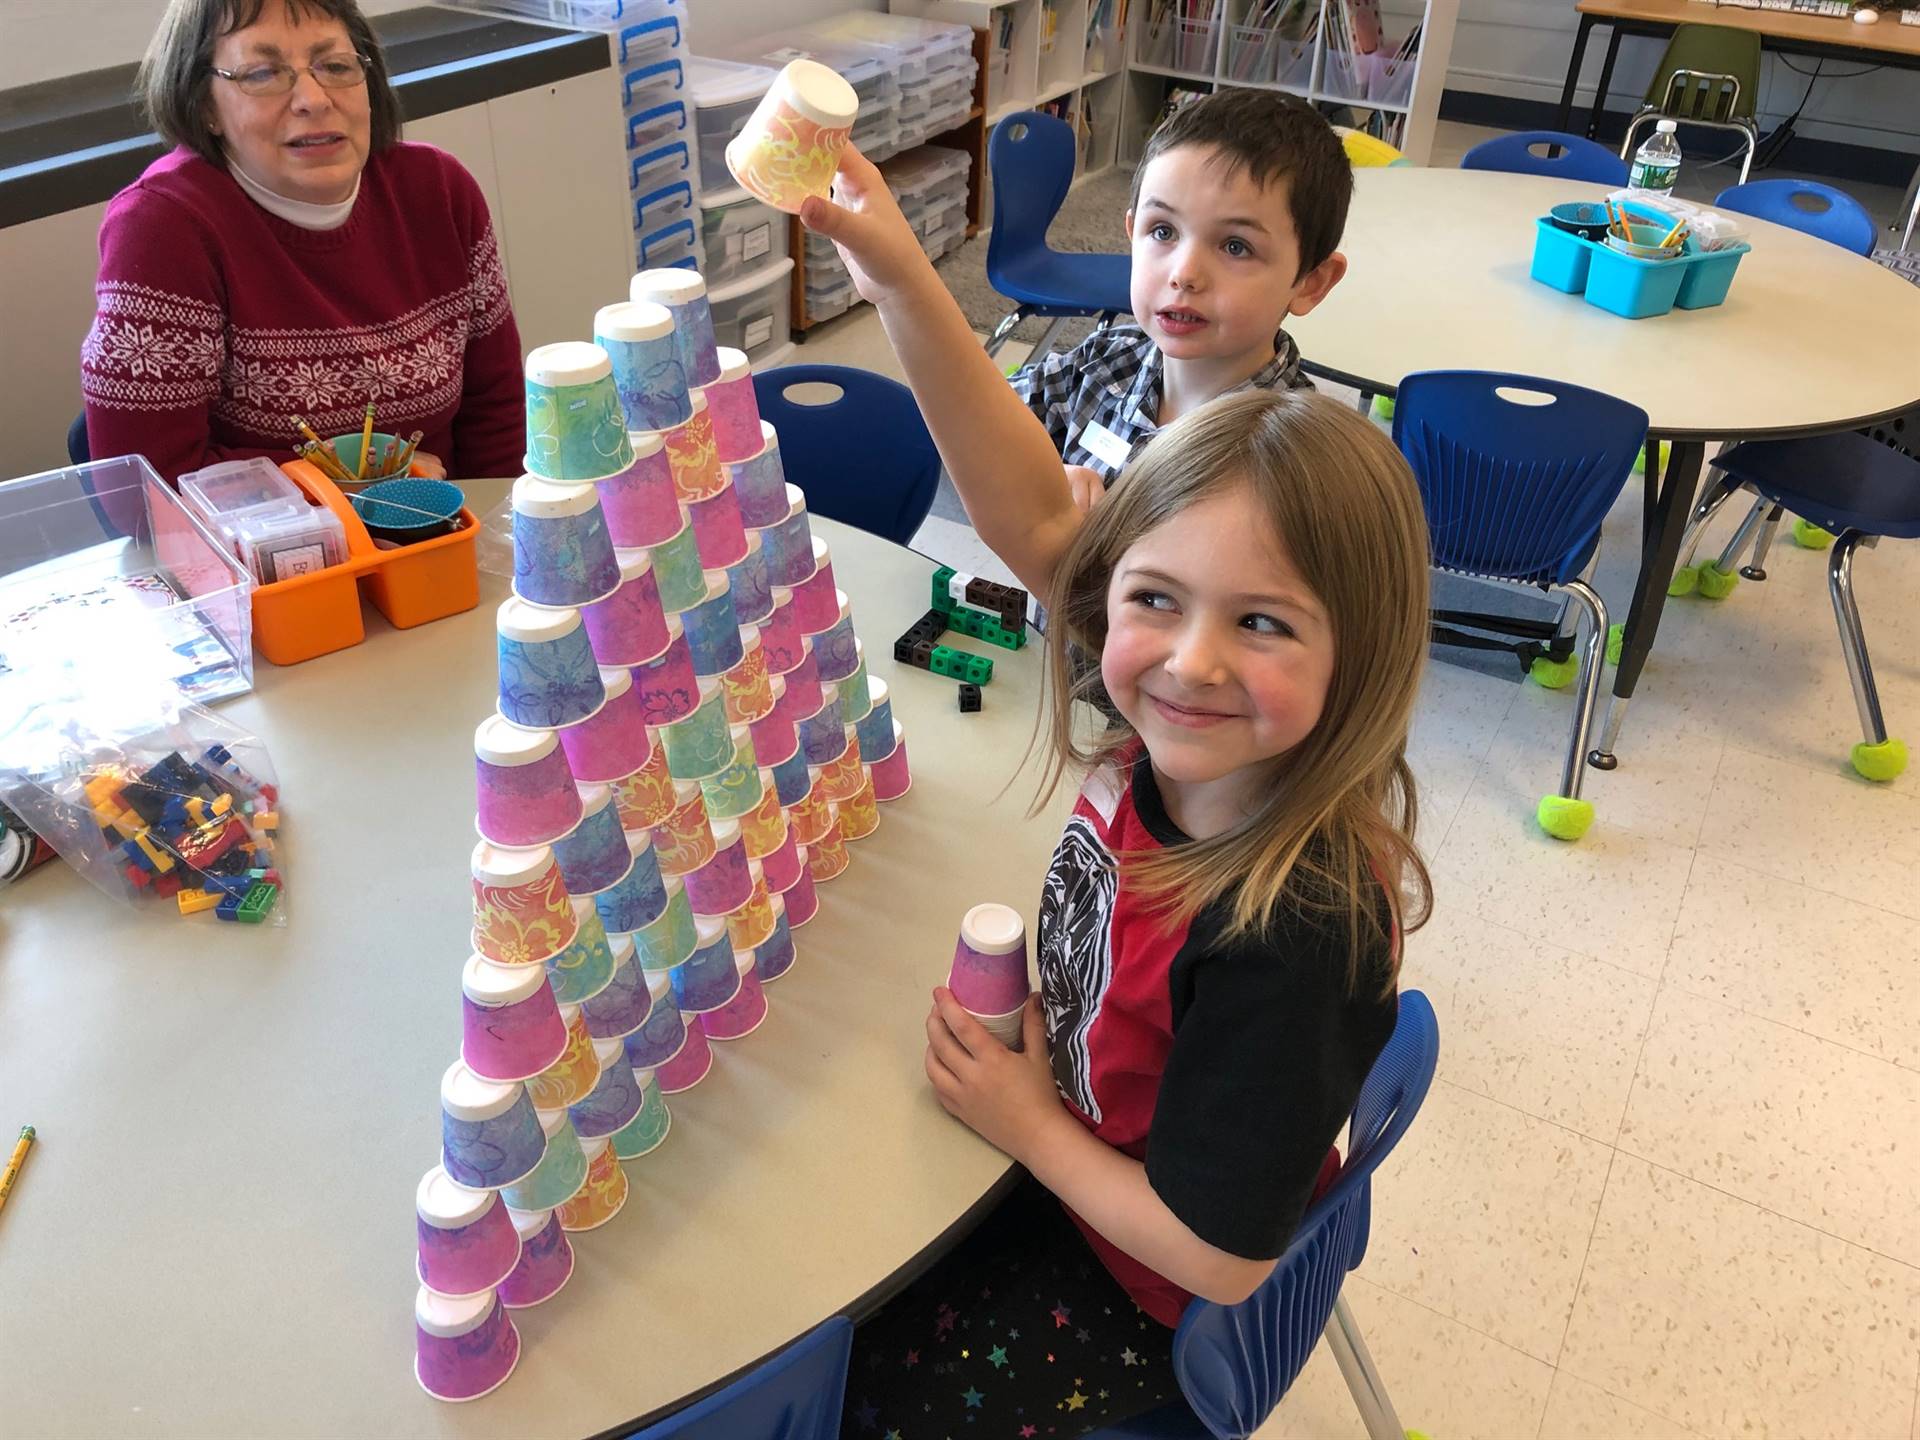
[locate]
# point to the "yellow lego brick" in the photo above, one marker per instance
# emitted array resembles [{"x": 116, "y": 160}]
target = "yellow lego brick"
[
  {"x": 162, "y": 861},
  {"x": 192, "y": 901},
  {"x": 266, "y": 820}
]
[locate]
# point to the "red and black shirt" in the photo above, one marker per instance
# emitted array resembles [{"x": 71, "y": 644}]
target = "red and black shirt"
[{"x": 1228, "y": 1066}]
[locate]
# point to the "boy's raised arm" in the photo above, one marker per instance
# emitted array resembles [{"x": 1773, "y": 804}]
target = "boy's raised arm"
[{"x": 1002, "y": 462}]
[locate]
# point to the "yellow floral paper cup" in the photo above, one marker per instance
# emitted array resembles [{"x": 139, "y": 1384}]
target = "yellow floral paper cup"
[
  {"x": 791, "y": 144},
  {"x": 520, "y": 910}
]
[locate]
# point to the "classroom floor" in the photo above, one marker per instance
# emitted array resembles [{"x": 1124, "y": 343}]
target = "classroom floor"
[{"x": 1666, "y": 1182}]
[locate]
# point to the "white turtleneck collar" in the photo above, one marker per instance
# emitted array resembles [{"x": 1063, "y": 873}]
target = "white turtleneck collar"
[{"x": 305, "y": 214}]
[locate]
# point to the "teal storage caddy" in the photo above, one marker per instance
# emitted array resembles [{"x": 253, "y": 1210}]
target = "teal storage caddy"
[{"x": 1630, "y": 287}]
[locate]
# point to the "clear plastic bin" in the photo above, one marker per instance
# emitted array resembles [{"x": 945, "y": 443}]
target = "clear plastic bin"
[
  {"x": 918, "y": 173},
  {"x": 949, "y": 238},
  {"x": 724, "y": 95},
  {"x": 648, "y": 87},
  {"x": 917, "y": 48},
  {"x": 833, "y": 297},
  {"x": 1250, "y": 53},
  {"x": 657, "y": 169},
  {"x": 662, "y": 208},
  {"x": 106, "y": 556},
  {"x": 648, "y": 42},
  {"x": 574, "y": 14},
  {"x": 675, "y": 244},
  {"x": 941, "y": 121},
  {"x": 742, "y": 236},
  {"x": 650, "y": 129},
  {"x": 755, "y": 313},
  {"x": 1106, "y": 51},
  {"x": 868, "y": 68},
  {"x": 1187, "y": 46},
  {"x": 220, "y": 495}
]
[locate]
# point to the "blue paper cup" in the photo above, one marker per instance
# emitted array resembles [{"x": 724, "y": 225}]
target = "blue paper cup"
[
  {"x": 823, "y": 734},
  {"x": 774, "y": 956},
  {"x": 835, "y": 650},
  {"x": 575, "y": 431},
  {"x": 709, "y": 978},
  {"x": 684, "y": 294},
  {"x": 594, "y": 856},
  {"x": 670, "y": 939},
  {"x": 712, "y": 628},
  {"x": 615, "y": 1100},
  {"x": 747, "y": 582},
  {"x": 875, "y": 728},
  {"x": 562, "y": 1169},
  {"x": 647, "y": 371},
  {"x": 490, "y": 1135},
  {"x": 562, "y": 551},
  {"x": 620, "y": 1009},
  {"x": 548, "y": 677},
  {"x": 660, "y": 1039},
  {"x": 639, "y": 897},
  {"x": 790, "y": 778},
  {"x": 762, "y": 482},
  {"x": 787, "y": 544}
]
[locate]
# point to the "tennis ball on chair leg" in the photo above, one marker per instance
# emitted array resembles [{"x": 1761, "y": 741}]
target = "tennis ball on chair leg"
[
  {"x": 1809, "y": 536},
  {"x": 1640, "y": 461},
  {"x": 1562, "y": 818},
  {"x": 1616, "y": 643},
  {"x": 1551, "y": 674},
  {"x": 1382, "y": 407},
  {"x": 1686, "y": 579},
  {"x": 1715, "y": 583},
  {"x": 1881, "y": 762}
]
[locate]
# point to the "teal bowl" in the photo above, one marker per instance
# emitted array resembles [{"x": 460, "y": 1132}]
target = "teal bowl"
[
  {"x": 408, "y": 510},
  {"x": 1584, "y": 218}
]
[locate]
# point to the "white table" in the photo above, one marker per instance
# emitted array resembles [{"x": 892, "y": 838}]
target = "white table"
[
  {"x": 1810, "y": 339},
  {"x": 214, "y": 1236}
]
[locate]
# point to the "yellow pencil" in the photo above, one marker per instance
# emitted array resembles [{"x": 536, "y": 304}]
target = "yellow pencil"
[
  {"x": 306, "y": 430},
  {"x": 1673, "y": 234},
  {"x": 366, "y": 440},
  {"x": 330, "y": 464},
  {"x": 405, "y": 463},
  {"x": 21, "y": 1146}
]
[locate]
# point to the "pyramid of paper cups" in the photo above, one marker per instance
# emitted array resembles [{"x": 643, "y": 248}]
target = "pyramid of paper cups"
[{"x": 684, "y": 742}]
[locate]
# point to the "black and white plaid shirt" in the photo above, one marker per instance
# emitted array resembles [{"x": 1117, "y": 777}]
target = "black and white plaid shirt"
[{"x": 1099, "y": 399}]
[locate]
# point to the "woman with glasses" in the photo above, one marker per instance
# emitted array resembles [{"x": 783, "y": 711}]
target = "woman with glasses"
[{"x": 292, "y": 256}]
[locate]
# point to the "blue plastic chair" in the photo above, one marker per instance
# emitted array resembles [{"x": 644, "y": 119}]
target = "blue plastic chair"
[
  {"x": 1579, "y": 158},
  {"x": 1031, "y": 160},
  {"x": 77, "y": 445},
  {"x": 1517, "y": 473},
  {"x": 1861, "y": 486},
  {"x": 797, "y": 1395},
  {"x": 1805, "y": 205},
  {"x": 888, "y": 487},
  {"x": 1235, "y": 1362}
]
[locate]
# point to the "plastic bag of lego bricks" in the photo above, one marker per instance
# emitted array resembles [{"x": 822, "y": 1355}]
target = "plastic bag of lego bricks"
[{"x": 156, "y": 801}]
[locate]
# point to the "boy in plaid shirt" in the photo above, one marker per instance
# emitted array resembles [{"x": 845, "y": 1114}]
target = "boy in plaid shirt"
[{"x": 1238, "y": 204}]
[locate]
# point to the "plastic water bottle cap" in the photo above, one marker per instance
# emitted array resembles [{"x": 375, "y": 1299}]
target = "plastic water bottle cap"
[{"x": 1667, "y": 127}]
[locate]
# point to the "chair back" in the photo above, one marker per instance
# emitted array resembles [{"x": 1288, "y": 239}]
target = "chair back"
[
  {"x": 78, "y": 449},
  {"x": 1030, "y": 157},
  {"x": 1578, "y": 157},
  {"x": 1235, "y": 1362},
  {"x": 864, "y": 457},
  {"x": 1516, "y": 472},
  {"x": 796, "y": 1395},
  {"x": 1710, "y": 73},
  {"x": 1807, "y": 206}
]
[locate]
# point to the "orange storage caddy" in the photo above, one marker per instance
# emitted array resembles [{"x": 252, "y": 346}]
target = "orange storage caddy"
[{"x": 316, "y": 614}]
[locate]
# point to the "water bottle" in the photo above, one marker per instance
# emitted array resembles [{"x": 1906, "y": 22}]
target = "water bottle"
[{"x": 1656, "y": 164}]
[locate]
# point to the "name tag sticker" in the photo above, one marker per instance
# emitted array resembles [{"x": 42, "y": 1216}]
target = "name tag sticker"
[{"x": 1105, "y": 446}]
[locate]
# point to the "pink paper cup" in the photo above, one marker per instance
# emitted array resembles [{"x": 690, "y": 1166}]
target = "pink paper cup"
[
  {"x": 665, "y": 1033},
  {"x": 467, "y": 1243},
  {"x": 743, "y": 1014},
  {"x": 816, "y": 603},
  {"x": 689, "y": 1067},
  {"x": 546, "y": 1260},
  {"x": 510, "y": 1023},
  {"x": 724, "y": 883},
  {"x": 989, "y": 973},
  {"x": 463, "y": 1348},
  {"x": 640, "y": 505},
  {"x": 747, "y": 579},
  {"x": 761, "y": 481},
  {"x": 803, "y": 683},
  {"x": 891, "y": 778},
  {"x": 523, "y": 785},
  {"x": 613, "y": 741},
  {"x": 776, "y": 739},
  {"x": 719, "y": 535},
  {"x": 780, "y": 632},
  {"x": 669, "y": 690},
  {"x": 629, "y": 627},
  {"x": 782, "y": 865},
  {"x": 735, "y": 412},
  {"x": 787, "y": 545},
  {"x": 802, "y": 899}
]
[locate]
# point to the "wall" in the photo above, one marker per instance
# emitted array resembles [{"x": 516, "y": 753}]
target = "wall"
[
  {"x": 558, "y": 209},
  {"x": 1520, "y": 48}
]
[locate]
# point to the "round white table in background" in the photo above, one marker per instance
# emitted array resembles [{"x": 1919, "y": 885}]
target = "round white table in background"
[
  {"x": 215, "y": 1235},
  {"x": 1810, "y": 339}
]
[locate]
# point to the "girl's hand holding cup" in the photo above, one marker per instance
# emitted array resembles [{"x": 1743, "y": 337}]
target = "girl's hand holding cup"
[{"x": 1007, "y": 1097}]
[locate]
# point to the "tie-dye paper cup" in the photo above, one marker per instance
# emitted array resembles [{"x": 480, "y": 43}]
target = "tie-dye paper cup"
[
  {"x": 761, "y": 481},
  {"x": 684, "y": 840},
  {"x": 670, "y": 939},
  {"x": 775, "y": 955},
  {"x": 692, "y": 456},
  {"x": 594, "y": 856},
  {"x": 713, "y": 632},
  {"x": 645, "y": 798},
  {"x": 615, "y": 1100},
  {"x": 548, "y": 677},
  {"x": 792, "y": 779},
  {"x": 561, "y": 1171},
  {"x": 836, "y": 649},
  {"x": 562, "y": 553},
  {"x": 640, "y": 503},
  {"x": 803, "y": 682},
  {"x": 520, "y": 910},
  {"x": 603, "y": 1194},
  {"x": 747, "y": 579},
  {"x": 640, "y": 896},
  {"x": 724, "y": 882},
  {"x": 859, "y": 815},
  {"x": 776, "y": 739},
  {"x": 743, "y": 1014},
  {"x": 735, "y": 411},
  {"x": 802, "y": 899},
  {"x": 875, "y": 729},
  {"x": 684, "y": 294},
  {"x": 891, "y": 778},
  {"x": 764, "y": 828},
  {"x": 466, "y": 1241},
  {"x": 823, "y": 734},
  {"x": 735, "y": 791},
  {"x": 523, "y": 785},
  {"x": 613, "y": 741},
  {"x": 490, "y": 1136},
  {"x": 690, "y": 1066},
  {"x": 575, "y": 430},
  {"x": 582, "y": 970},
  {"x": 647, "y": 1131},
  {"x": 856, "y": 691},
  {"x": 463, "y": 1348},
  {"x": 782, "y": 865},
  {"x": 669, "y": 690},
  {"x": 620, "y": 1009},
  {"x": 546, "y": 1260},
  {"x": 787, "y": 544},
  {"x": 989, "y": 972},
  {"x": 638, "y": 338},
  {"x": 699, "y": 745},
  {"x": 780, "y": 632},
  {"x": 747, "y": 688},
  {"x": 630, "y": 625},
  {"x": 657, "y": 1042},
  {"x": 811, "y": 817},
  {"x": 568, "y": 1080},
  {"x": 677, "y": 570},
  {"x": 707, "y": 979},
  {"x": 840, "y": 779},
  {"x": 827, "y": 857},
  {"x": 751, "y": 922},
  {"x": 815, "y": 599},
  {"x": 510, "y": 1023},
  {"x": 718, "y": 531},
  {"x": 790, "y": 146}
]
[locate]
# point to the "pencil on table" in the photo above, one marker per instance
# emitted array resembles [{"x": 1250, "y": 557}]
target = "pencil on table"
[
  {"x": 14, "y": 1162},
  {"x": 366, "y": 440}
]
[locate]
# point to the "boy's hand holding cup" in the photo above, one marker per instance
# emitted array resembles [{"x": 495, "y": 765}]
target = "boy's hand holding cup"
[{"x": 865, "y": 224}]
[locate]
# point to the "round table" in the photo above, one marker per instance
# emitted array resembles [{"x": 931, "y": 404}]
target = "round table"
[
  {"x": 1810, "y": 339},
  {"x": 214, "y": 1235}
]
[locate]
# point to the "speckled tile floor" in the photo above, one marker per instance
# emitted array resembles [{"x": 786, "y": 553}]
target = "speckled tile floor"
[{"x": 1668, "y": 1180}]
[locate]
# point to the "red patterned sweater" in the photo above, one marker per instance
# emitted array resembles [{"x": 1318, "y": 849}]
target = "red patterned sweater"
[{"x": 216, "y": 320}]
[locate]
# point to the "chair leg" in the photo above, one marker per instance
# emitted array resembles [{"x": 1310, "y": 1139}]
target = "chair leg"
[
  {"x": 1363, "y": 1380},
  {"x": 1877, "y": 757},
  {"x": 1758, "y": 569},
  {"x": 1005, "y": 329},
  {"x": 1564, "y": 815},
  {"x": 1686, "y": 575},
  {"x": 1718, "y": 577},
  {"x": 1047, "y": 337}
]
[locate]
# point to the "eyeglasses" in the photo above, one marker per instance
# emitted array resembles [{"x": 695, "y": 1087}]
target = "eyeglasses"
[{"x": 333, "y": 72}]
